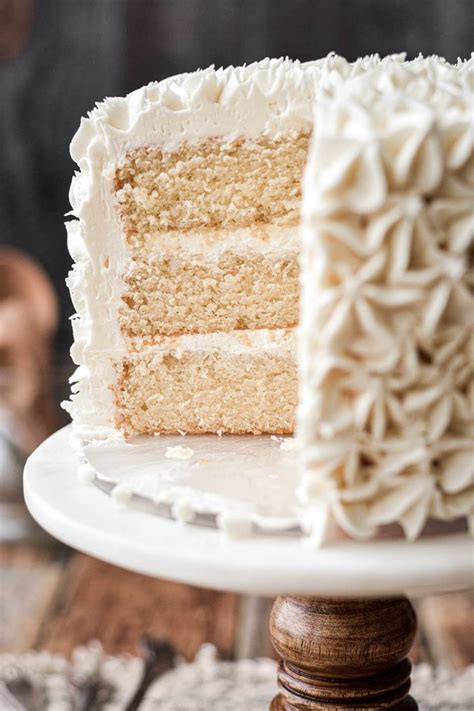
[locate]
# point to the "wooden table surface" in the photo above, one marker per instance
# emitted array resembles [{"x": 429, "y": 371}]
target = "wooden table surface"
[{"x": 55, "y": 599}]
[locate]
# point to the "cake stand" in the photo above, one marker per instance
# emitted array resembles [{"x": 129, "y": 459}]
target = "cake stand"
[{"x": 341, "y": 622}]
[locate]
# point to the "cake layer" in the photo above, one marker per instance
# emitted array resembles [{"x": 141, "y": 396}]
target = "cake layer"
[
  {"x": 207, "y": 281},
  {"x": 215, "y": 183},
  {"x": 244, "y": 382}
]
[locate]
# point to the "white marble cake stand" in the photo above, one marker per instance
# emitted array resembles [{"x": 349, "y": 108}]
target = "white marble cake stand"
[{"x": 344, "y": 643}]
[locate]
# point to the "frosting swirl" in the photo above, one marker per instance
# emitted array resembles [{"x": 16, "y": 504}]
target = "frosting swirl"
[{"x": 386, "y": 414}]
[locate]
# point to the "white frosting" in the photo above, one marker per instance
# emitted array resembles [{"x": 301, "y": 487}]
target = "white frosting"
[
  {"x": 289, "y": 444},
  {"x": 183, "y": 512},
  {"x": 212, "y": 244},
  {"x": 234, "y": 525},
  {"x": 122, "y": 494},
  {"x": 386, "y": 413},
  {"x": 272, "y": 97},
  {"x": 281, "y": 340},
  {"x": 86, "y": 473}
]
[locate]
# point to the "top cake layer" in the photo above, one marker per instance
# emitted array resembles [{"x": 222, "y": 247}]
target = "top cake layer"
[{"x": 386, "y": 415}]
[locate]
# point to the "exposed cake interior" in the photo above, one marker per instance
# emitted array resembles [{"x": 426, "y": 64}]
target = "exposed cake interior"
[{"x": 212, "y": 231}]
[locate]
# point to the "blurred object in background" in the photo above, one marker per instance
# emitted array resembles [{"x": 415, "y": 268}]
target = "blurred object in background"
[
  {"x": 28, "y": 321},
  {"x": 15, "y": 24}
]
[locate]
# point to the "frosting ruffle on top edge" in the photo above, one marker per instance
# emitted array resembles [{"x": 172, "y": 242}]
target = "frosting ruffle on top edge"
[
  {"x": 284, "y": 86},
  {"x": 386, "y": 413}
]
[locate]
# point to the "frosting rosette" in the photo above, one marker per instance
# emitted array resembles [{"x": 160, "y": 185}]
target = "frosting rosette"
[{"x": 386, "y": 413}]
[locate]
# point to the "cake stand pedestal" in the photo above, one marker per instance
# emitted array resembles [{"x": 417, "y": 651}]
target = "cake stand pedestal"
[
  {"x": 341, "y": 624},
  {"x": 343, "y": 654}
]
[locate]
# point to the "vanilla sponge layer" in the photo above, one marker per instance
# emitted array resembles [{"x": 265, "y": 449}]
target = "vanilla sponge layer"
[
  {"x": 216, "y": 183},
  {"x": 245, "y": 382},
  {"x": 208, "y": 281}
]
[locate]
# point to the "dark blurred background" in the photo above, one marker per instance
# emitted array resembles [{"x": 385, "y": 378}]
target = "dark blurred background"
[{"x": 58, "y": 57}]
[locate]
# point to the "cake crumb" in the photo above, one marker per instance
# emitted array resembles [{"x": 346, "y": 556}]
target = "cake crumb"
[
  {"x": 183, "y": 512},
  {"x": 290, "y": 444},
  {"x": 179, "y": 452},
  {"x": 122, "y": 494},
  {"x": 159, "y": 397}
]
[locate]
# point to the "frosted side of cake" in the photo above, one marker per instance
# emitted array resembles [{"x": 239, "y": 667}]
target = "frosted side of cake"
[{"x": 386, "y": 412}]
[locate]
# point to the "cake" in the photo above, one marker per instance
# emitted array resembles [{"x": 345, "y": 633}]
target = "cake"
[
  {"x": 386, "y": 404},
  {"x": 189, "y": 262}
]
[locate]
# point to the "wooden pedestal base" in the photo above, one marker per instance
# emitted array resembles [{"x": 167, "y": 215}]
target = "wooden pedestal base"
[{"x": 343, "y": 655}]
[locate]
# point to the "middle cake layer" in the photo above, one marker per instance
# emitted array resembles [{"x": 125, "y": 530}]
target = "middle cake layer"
[{"x": 208, "y": 280}]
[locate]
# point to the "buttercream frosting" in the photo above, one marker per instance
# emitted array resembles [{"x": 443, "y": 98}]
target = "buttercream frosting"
[
  {"x": 282, "y": 340},
  {"x": 179, "y": 452},
  {"x": 386, "y": 413}
]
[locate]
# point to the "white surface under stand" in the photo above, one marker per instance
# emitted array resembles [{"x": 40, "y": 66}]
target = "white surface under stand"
[
  {"x": 336, "y": 653},
  {"x": 89, "y": 520}
]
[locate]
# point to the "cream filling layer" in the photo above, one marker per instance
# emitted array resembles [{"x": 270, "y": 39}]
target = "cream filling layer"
[
  {"x": 259, "y": 239},
  {"x": 229, "y": 343}
]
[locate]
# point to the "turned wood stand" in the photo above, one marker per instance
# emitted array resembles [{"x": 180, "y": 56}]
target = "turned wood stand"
[{"x": 343, "y": 654}]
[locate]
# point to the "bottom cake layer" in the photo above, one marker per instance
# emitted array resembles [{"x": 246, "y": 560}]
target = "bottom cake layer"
[{"x": 240, "y": 382}]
